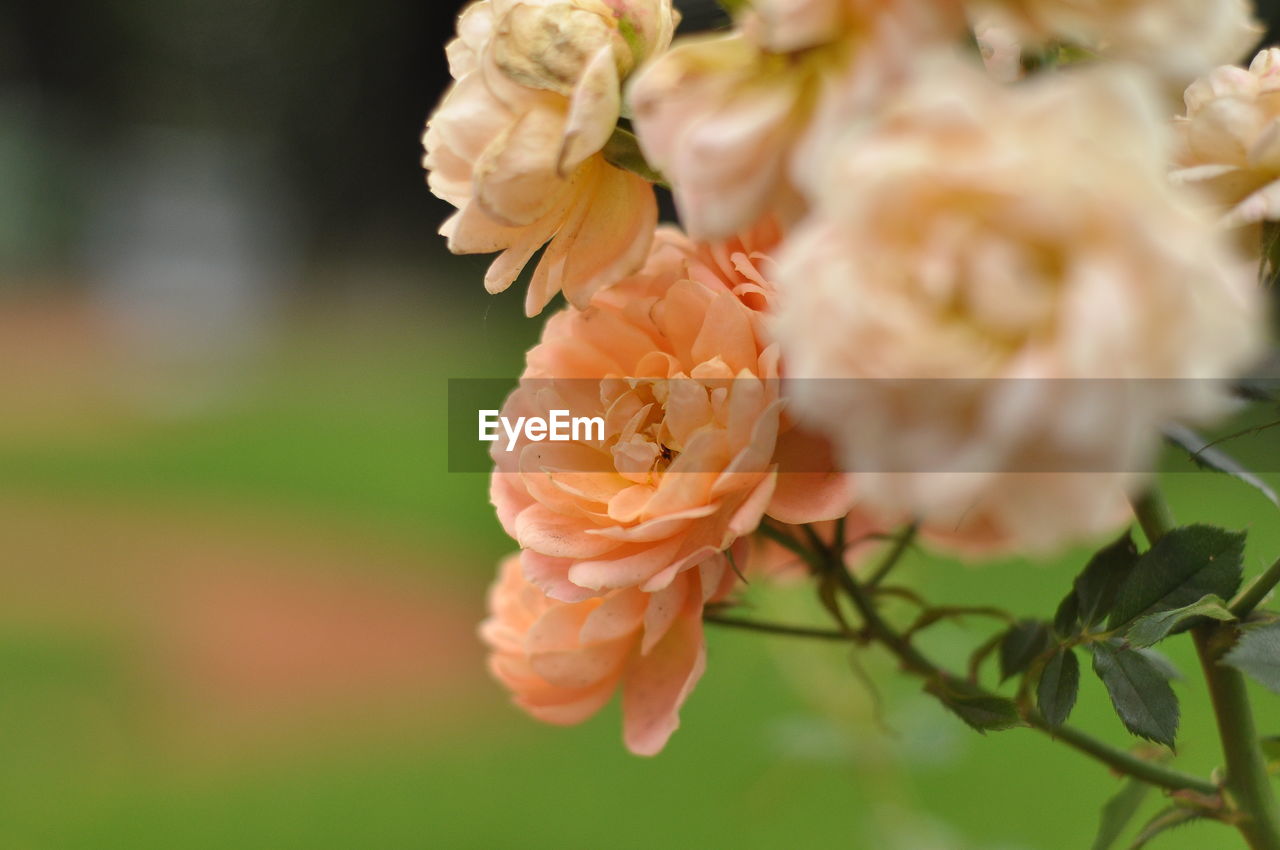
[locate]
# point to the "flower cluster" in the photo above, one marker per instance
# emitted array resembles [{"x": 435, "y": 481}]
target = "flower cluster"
[{"x": 906, "y": 290}]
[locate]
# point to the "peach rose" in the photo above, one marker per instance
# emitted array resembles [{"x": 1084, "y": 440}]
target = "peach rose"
[
  {"x": 723, "y": 116},
  {"x": 992, "y": 272},
  {"x": 562, "y": 661},
  {"x": 1180, "y": 38},
  {"x": 1230, "y": 138},
  {"x": 516, "y": 142},
  {"x": 695, "y": 450}
]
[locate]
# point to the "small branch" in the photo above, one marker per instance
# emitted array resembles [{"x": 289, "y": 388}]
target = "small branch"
[
  {"x": 913, "y": 661},
  {"x": 980, "y": 655},
  {"x": 776, "y": 628},
  {"x": 899, "y": 592},
  {"x": 933, "y": 616},
  {"x": 894, "y": 555},
  {"x": 1253, "y": 430},
  {"x": 1122, "y": 761},
  {"x": 816, "y": 541},
  {"x": 788, "y": 542},
  {"x": 1251, "y": 597}
]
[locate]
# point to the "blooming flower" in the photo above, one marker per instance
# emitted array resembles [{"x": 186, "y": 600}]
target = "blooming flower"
[
  {"x": 1230, "y": 138},
  {"x": 1181, "y": 38},
  {"x": 562, "y": 661},
  {"x": 678, "y": 365},
  {"x": 723, "y": 116},
  {"x": 516, "y": 142},
  {"x": 1018, "y": 249}
]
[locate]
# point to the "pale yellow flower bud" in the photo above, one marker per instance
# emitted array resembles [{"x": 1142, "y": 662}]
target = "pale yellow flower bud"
[
  {"x": 516, "y": 143},
  {"x": 1230, "y": 139}
]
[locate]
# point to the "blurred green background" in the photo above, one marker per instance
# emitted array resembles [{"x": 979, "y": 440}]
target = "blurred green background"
[{"x": 238, "y": 590}]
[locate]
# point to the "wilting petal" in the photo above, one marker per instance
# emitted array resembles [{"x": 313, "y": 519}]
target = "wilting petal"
[{"x": 596, "y": 100}]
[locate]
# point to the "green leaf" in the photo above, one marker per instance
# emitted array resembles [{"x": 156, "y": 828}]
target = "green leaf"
[
  {"x": 1139, "y": 691},
  {"x": 1258, "y": 654},
  {"x": 1020, "y": 645},
  {"x": 1098, "y": 584},
  {"x": 1066, "y": 620},
  {"x": 982, "y": 712},
  {"x": 1164, "y": 821},
  {"x": 1208, "y": 456},
  {"x": 1059, "y": 686},
  {"x": 1153, "y": 628},
  {"x": 1161, "y": 662},
  {"x": 1183, "y": 567},
  {"x": 622, "y": 150},
  {"x": 1118, "y": 812}
]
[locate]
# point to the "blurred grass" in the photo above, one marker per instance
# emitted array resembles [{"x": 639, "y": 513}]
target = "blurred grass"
[{"x": 340, "y": 426}]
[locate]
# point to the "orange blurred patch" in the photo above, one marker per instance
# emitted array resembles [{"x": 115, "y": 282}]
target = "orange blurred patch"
[{"x": 238, "y": 636}]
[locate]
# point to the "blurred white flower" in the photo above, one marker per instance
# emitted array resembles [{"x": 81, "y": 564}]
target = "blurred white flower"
[
  {"x": 724, "y": 117},
  {"x": 997, "y": 240},
  {"x": 1180, "y": 38}
]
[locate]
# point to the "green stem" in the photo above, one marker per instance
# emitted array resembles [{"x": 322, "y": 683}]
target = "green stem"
[
  {"x": 1122, "y": 761},
  {"x": 1251, "y": 597},
  {"x": 916, "y": 662},
  {"x": 1248, "y": 786},
  {"x": 775, "y": 628},
  {"x": 894, "y": 555},
  {"x": 1248, "y": 783},
  {"x": 788, "y": 542}
]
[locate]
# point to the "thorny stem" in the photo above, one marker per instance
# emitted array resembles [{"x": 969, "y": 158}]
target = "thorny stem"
[
  {"x": 1248, "y": 785},
  {"x": 915, "y": 662}
]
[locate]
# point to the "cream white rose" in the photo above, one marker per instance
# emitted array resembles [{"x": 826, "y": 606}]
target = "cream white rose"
[
  {"x": 516, "y": 142},
  {"x": 1021, "y": 249},
  {"x": 1230, "y": 138}
]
